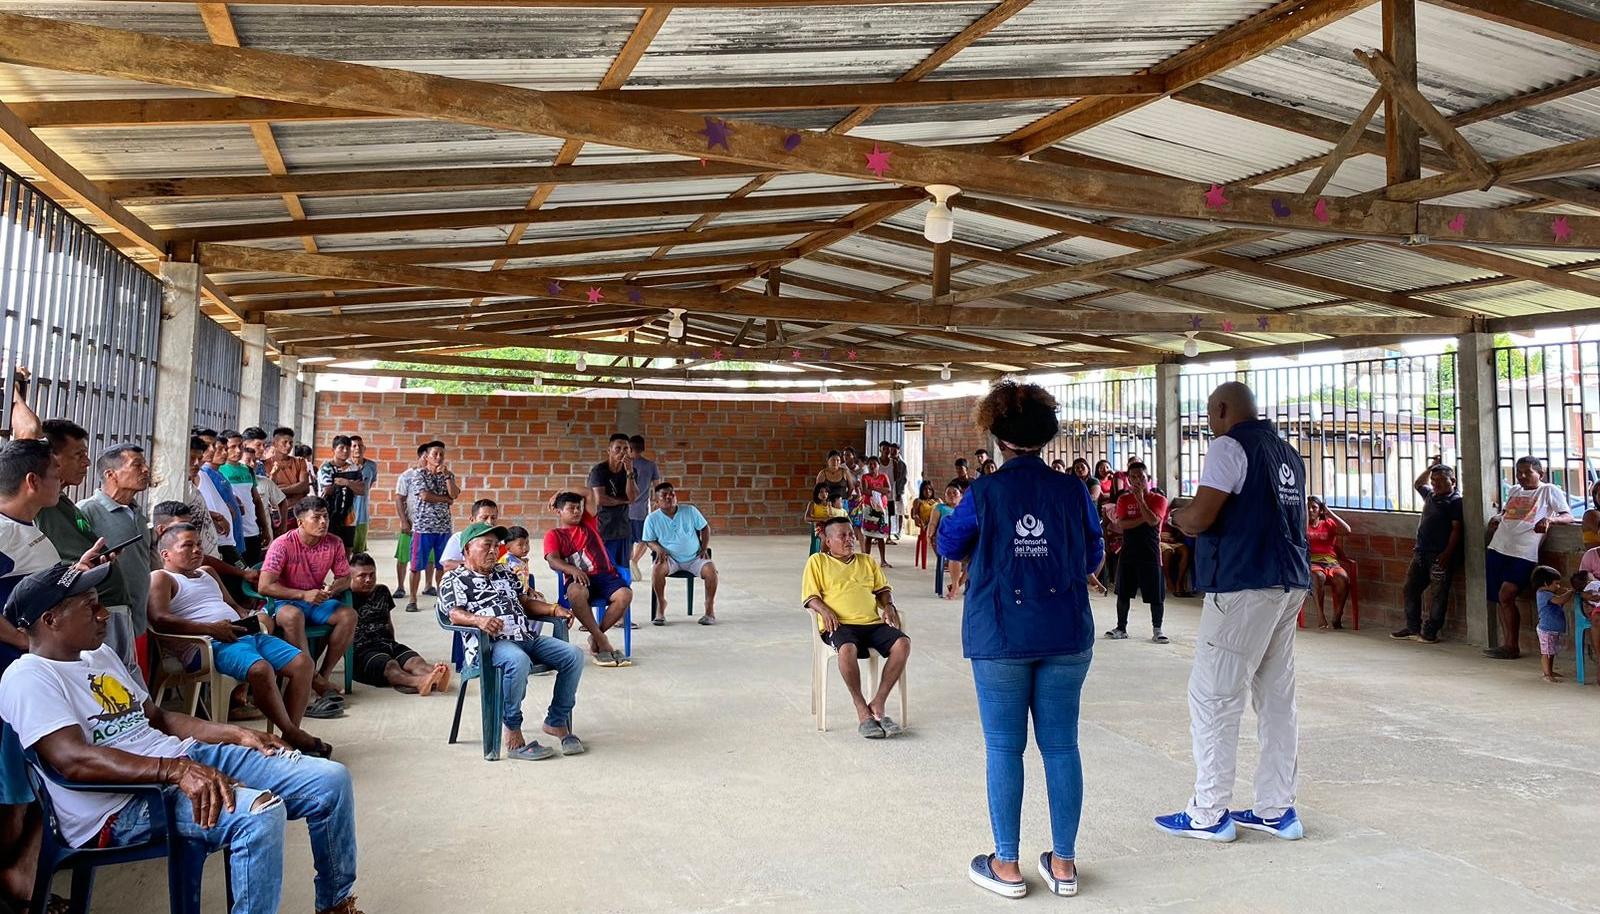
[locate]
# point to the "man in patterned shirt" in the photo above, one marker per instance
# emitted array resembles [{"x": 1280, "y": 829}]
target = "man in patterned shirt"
[
  {"x": 488, "y": 597},
  {"x": 433, "y": 490}
]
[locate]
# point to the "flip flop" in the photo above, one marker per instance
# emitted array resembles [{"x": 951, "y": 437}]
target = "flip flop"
[
  {"x": 532, "y": 752},
  {"x": 412, "y": 608},
  {"x": 890, "y": 728},
  {"x": 658, "y": 620},
  {"x": 621, "y": 658},
  {"x": 571, "y": 745},
  {"x": 605, "y": 658},
  {"x": 708, "y": 620},
  {"x": 322, "y": 709}
]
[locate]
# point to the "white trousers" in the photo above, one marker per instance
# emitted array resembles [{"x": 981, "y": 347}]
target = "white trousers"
[{"x": 1245, "y": 646}]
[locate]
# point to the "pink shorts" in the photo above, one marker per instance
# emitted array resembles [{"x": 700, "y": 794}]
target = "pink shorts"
[{"x": 1549, "y": 643}]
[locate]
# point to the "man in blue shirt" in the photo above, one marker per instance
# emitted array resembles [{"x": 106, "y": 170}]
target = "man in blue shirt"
[
  {"x": 1249, "y": 520},
  {"x": 681, "y": 540}
]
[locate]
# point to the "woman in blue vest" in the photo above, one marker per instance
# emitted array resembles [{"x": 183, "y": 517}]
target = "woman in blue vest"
[{"x": 1032, "y": 538}]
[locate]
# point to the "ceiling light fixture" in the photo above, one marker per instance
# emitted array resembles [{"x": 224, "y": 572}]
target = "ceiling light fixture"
[
  {"x": 581, "y": 365},
  {"x": 944, "y": 372},
  {"x": 1190, "y": 347},
  {"x": 939, "y": 226},
  {"x": 675, "y": 324}
]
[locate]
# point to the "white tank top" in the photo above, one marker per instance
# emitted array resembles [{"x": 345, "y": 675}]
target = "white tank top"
[{"x": 199, "y": 599}]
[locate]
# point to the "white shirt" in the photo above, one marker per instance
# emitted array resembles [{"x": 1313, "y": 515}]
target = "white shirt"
[
  {"x": 1225, "y": 467},
  {"x": 214, "y": 500},
  {"x": 97, "y": 695},
  {"x": 1524, "y": 509},
  {"x": 197, "y": 599},
  {"x": 24, "y": 549},
  {"x": 452, "y": 550}
]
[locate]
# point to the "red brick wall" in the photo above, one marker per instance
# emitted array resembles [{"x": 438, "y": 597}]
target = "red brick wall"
[
  {"x": 947, "y": 433},
  {"x": 747, "y": 464}
]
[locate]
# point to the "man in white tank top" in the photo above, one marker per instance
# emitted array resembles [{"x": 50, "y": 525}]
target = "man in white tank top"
[{"x": 186, "y": 598}]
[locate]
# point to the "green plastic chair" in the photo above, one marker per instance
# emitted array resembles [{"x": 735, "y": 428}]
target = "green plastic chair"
[{"x": 314, "y": 633}]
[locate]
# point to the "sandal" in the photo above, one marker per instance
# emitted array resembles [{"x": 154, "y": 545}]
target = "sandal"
[
  {"x": 412, "y": 607},
  {"x": 323, "y": 709},
  {"x": 531, "y": 752},
  {"x": 1066, "y": 888},
  {"x": 708, "y": 620},
  {"x": 658, "y": 620},
  {"x": 981, "y": 872},
  {"x": 605, "y": 658},
  {"x": 621, "y": 659},
  {"x": 571, "y": 745}
]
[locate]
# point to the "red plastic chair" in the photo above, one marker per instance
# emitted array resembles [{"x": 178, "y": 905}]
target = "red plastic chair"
[
  {"x": 1352, "y": 571},
  {"x": 922, "y": 548}
]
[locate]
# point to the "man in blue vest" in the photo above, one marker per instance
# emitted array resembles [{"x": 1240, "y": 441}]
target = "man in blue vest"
[{"x": 1249, "y": 520}]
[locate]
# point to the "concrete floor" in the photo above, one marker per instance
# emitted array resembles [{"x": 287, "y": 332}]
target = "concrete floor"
[{"x": 1430, "y": 781}]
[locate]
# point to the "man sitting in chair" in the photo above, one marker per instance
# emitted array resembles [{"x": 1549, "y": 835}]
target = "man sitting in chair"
[
  {"x": 295, "y": 572},
  {"x": 487, "y": 596},
  {"x": 575, "y": 549},
  {"x": 74, "y": 702},
  {"x": 186, "y": 598},
  {"x": 681, "y": 540},
  {"x": 855, "y": 613}
]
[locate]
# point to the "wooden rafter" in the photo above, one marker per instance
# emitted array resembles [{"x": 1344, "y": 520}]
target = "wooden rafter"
[{"x": 1541, "y": 18}]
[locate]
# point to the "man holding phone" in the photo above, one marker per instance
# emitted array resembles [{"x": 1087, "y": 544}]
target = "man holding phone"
[{"x": 187, "y": 598}]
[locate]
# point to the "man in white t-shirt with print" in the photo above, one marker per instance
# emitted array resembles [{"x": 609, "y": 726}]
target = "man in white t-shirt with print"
[
  {"x": 73, "y": 701},
  {"x": 1516, "y": 533},
  {"x": 680, "y": 537}
]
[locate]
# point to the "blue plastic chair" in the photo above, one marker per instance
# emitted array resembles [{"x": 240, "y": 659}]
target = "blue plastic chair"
[
  {"x": 1580, "y": 624},
  {"x": 185, "y": 860},
  {"x": 599, "y": 607},
  {"x": 938, "y": 576},
  {"x": 488, "y": 688}
]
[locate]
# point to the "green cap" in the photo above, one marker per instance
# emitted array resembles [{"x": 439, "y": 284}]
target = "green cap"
[{"x": 477, "y": 530}]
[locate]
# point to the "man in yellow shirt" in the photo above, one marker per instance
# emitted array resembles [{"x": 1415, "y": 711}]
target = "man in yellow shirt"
[{"x": 855, "y": 613}]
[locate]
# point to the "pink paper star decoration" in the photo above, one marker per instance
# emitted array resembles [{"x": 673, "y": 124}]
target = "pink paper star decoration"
[
  {"x": 1561, "y": 228},
  {"x": 852, "y": 355},
  {"x": 717, "y": 133},
  {"x": 595, "y": 295},
  {"x": 1216, "y": 198},
  {"x": 794, "y": 353},
  {"x": 1227, "y": 326},
  {"x": 553, "y": 287},
  {"x": 716, "y": 354},
  {"x": 1458, "y": 224},
  {"x": 877, "y": 161},
  {"x": 1321, "y": 209}
]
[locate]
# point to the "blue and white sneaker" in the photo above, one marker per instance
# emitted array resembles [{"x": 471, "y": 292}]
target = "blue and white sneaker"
[
  {"x": 1181, "y": 825},
  {"x": 1287, "y": 826}
]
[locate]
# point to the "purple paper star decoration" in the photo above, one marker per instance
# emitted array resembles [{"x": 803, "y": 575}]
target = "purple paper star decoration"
[
  {"x": 636, "y": 295},
  {"x": 717, "y": 133},
  {"x": 877, "y": 161},
  {"x": 1216, "y": 198},
  {"x": 1195, "y": 322},
  {"x": 553, "y": 287},
  {"x": 595, "y": 295},
  {"x": 1459, "y": 223},
  {"x": 1261, "y": 323},
  {"x": 1561, "y": 228},
  {"x": 1280, "y": 208},
  {"x": 1227, "y": 326},
  {"x": 1321, "y": 209},
  {"x": 791, "y": 142}
]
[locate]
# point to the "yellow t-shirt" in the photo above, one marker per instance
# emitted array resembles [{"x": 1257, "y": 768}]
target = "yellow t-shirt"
[
  {"x": 849, "y": 588},
  {"x": 820, "y": 513},
  {"x": 922, "y": 511}
]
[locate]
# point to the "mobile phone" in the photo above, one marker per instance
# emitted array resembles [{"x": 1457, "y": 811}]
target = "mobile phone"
[
  {"x": 250, "y": 624},
  {"x": 123, "y": 545}
]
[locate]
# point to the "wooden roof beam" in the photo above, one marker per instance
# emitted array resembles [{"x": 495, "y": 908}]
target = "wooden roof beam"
[{"x": 1539, "y": 18}]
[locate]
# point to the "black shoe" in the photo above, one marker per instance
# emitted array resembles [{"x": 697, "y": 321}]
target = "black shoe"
[
  {"x": 1428, "y": 639},
  {"x": 1404, "y": 634},
  {"x": 1500, "y": 653}
]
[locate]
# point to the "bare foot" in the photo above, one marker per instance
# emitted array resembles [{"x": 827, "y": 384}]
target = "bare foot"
[
  {"x": 323, "y": 686},
  {"x": 886, "y": 564},
  {"x": 1550, "y": 677},
  {"x": 557, "y": 732},
  {"x": 1062, "y": 869},
  {"x": 441, "y": 677},
  {"x": 514, "y": 740}
]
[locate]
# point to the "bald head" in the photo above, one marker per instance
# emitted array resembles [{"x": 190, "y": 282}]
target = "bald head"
[{"x": 1231, "y": 403}]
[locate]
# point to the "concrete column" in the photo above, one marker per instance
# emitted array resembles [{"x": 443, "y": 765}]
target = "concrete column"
[
  {"x": 255, "y": 360},
  {"x": 629, "y": 420},
  {"x": 288, "y": 391},
  {"x": 174, "y": 394},
  {"x": 1168, "y": 466},
  {"x": 1480, "y": 476},
  {"x": 306, "y": 428},
  {"x": 897, "y": 403}
]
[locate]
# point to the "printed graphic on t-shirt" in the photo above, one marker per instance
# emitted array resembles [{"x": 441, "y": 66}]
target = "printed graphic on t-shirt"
[
  {"x": 1521, "y": 505},
  {"x": 118, "y": 710}
]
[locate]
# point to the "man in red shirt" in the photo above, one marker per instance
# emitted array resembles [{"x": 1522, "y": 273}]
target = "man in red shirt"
[
  {"x": 574, "y": 548},
  {"x": 1138, "y": 516}
]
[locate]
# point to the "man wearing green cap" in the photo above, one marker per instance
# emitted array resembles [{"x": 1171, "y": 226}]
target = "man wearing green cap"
[{"x": 485, "y": 595}]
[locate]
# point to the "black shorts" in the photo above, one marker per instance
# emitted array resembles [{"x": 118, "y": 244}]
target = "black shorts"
[
  {"x": 372, "y": 656},
  {"x": 879, "y": 637},
  {"x": 346, "y": 535},
  {"x": 1138, "y": 574}
]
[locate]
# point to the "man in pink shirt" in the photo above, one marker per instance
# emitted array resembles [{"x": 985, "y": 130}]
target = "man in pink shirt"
[{"x": 295, "y": 573}]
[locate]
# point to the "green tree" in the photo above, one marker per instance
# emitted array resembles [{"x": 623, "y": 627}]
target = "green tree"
[{"x": 517, "y": 353}]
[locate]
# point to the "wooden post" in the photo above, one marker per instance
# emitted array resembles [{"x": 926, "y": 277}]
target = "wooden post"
[{"x": 1402, "y": 139}]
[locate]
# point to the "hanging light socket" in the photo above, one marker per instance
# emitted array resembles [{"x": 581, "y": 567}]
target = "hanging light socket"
[
  {"x": 675, "y": 323},
  {"x": 1190, "y": 347},
  {"x": 944, "y": 372},
  {"x": 939, "y": 226},
  {"x": 581, "y": 365}
]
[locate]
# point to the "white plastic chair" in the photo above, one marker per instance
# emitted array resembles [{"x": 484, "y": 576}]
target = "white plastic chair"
[
  {"x": 821, "y": 659},
  {"x": 190, "y": 684}
]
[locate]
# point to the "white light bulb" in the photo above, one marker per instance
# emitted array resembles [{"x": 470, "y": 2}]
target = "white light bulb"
[
  {"x": 1190, "y": 347},
  {"x": 581, "y": 365},
  {"x": 939, "y": 226},
  {"x": 538, "y": 380},
  {"x": 675, "y": 324},
  {"x": 944, "y": 373},
  {"x": 824, "y": 386}
]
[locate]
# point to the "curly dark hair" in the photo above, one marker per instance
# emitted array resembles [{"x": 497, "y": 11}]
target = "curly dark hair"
[{"x": 1022, "y": 415}]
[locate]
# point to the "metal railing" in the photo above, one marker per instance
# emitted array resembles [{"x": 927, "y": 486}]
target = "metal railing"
[
  {"x": 218, "y": 372},
  {"x": 1547, "y": 405},
  {"x": 80, "y": 315},
  {"x": 1111, "y": 419},
  {"x": 271, "y": 379},
  {"x": 1366, "y": 428}
]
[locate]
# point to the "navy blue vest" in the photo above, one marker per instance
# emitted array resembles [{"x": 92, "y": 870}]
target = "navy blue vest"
[{"x": 1259, "y": 537}]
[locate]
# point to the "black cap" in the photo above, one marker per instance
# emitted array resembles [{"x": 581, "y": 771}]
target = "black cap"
[{"x": 42, "y": 591}]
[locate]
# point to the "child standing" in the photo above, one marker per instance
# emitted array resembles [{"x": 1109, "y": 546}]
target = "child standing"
[
  {"x": 952, "y": 497},
  {"x": 1552, "y": 597},
  {"x": 821, "y": 507}
]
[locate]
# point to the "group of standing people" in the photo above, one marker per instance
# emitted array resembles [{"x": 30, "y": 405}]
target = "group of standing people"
[{"x": 869, "y": 493}]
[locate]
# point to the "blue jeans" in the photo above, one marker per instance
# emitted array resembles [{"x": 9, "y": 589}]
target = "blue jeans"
[
  {"x": 1049, "y": 687},
  {"x": 514, "y": 659},
  {"x": 313, "y": 789}
]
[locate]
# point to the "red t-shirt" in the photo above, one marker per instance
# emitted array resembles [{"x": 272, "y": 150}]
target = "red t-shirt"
[
  {"x": 1322, "y": 536},
  {"x": 1145, "y": 539},
  {"x": 580, "y": 546},
  {"x": 1128, "y": 510},
  {"x": 305, "y": 567}
]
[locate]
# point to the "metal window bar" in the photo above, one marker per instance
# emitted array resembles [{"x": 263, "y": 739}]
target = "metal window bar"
[
  {"x": 1546, "y": 401},
  {"x": 1111, "y": 419},
  {"x": 218, "y": 373},
  {"x": 81, "y": 316},
  {"x": 1366, "y": 428},
  {"x": 271, "y": 379}
]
